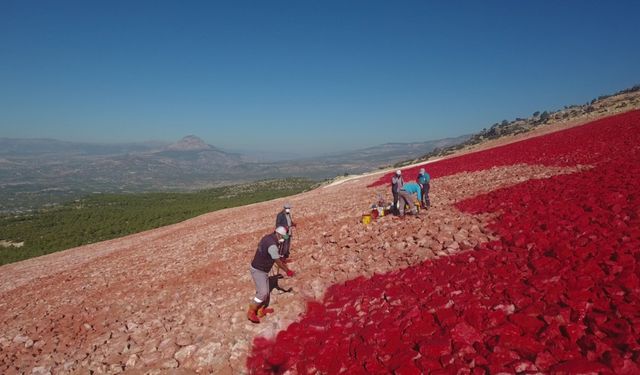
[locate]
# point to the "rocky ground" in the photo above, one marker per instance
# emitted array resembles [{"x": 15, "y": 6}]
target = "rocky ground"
[{"x": 174, "y": 299}]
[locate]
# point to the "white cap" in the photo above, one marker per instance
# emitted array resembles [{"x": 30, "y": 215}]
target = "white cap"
[
  {"x": 398, "y": 172},
  {"x": 281, "y": 230}
]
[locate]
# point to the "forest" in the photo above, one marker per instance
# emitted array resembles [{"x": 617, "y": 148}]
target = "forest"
[{"x": 102, "y": 217}]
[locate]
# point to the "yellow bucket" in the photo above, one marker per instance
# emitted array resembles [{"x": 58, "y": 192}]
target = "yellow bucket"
[{"x": 366, "y": 219}]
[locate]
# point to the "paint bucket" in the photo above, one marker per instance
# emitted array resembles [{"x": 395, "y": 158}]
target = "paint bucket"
[{"x": 366, "y": 219}]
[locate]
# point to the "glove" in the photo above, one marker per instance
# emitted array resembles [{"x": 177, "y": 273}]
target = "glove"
[{"x": 290, "y": 273}]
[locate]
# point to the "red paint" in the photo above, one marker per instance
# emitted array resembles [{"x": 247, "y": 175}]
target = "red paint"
[
  {"x": 558, "y": 292},
  {"x": 588, "y": 143}
]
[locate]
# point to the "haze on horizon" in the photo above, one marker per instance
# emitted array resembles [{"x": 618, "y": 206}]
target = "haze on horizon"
[{"x": 302, "y": 77}]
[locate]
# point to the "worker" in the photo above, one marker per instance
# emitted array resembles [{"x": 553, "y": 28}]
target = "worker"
[
  {"x": 284, "y": 219},
  {"x": 396, "y": 185},
  {"x": 424, "y": 181},
  {"x": 266, "y": 255},
  {"x": 406, "y": 197}
]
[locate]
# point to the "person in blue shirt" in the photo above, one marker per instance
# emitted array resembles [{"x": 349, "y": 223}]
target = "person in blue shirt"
[
  {"x": 413, "y": 188},
  {"x": 424, "y": 181},
  {"x": 406, "y": 194}
]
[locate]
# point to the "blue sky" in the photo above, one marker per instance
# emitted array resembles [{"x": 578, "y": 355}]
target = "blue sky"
[{"x": 303, "y": 76}]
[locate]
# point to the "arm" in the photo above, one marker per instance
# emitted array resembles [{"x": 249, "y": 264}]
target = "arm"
[
  {"x": 273, "y": 251},
  {"x": 282, "y": 265}
]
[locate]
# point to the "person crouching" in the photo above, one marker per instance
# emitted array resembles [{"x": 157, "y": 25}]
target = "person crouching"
[
  {"x": 266, "y": 255},
  {"x": 406, "y": 197}
]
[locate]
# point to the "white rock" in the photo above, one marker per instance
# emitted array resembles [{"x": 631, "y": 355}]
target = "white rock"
[
  {"x": 68, "y": 365},
  {"x": 115, "y": 369},
  {"x": 19, "y": 339},
  {"x": 238, "y": 316},
  {"x": 209, "y": 354},
  {"x": 508, "y": 309},
  {"x": 132, "y": 360},
  {"x": 185, "y": 353},
  {"x": 239, "y": 348},
  {"x": 170, "y": 363},
  {"x": 318, "y": 288},
  {"x": 40, "y": 370}
]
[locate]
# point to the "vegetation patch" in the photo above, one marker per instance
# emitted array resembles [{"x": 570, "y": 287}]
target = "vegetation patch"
[{"x": 105, "y": 216}]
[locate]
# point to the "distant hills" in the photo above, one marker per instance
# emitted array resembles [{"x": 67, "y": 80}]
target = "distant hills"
[
  {"x": 37, "y": 172},
  {"x": 18, "y": 147},
  {"x": 604, "y": 105}
]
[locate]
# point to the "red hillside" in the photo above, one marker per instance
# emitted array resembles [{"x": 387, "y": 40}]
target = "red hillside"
[
  {"x": 582, "y": 145},
  {"x": 559, "y": 291}
]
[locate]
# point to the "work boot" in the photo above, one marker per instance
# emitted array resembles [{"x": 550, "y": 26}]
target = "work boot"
[
  {"x": 252, "y": 316},
  {"x": 264, "y": 311}
]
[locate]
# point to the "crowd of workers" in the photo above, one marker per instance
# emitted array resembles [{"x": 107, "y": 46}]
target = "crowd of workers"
[{"x": 275, "y": 247}]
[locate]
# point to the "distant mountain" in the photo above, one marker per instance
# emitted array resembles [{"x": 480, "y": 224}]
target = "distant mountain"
[
  {"x": 260, "y": 156},
  {"x": 390, "y": 153},
  {"x": 16, "y": 147},
  {"x": 190, "y": 143},
  {"x": 191, "y": 151},
  {"x": 35, "y": 172},
  {"x": 359, "y": 161}
]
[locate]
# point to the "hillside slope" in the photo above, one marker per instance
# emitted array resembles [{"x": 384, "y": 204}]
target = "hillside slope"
[
  {"x": 176, "y": 297},
  {"x": 556, "y": 291}
]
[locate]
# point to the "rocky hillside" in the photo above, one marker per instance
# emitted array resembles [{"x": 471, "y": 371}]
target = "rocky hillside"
[
  {"x": 557, "y": 290},
  {"x": 606, "y": 105},
  {"x": 175, "y": 298}
]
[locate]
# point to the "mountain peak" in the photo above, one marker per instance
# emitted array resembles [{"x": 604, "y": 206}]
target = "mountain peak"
[{"x": 189, "y": 143}]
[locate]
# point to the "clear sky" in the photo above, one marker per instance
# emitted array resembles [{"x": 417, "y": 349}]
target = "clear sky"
[{"x": 303, "y": 76}]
